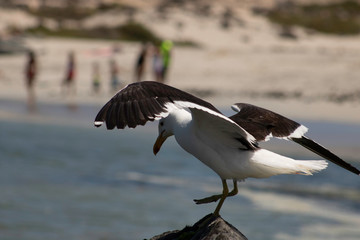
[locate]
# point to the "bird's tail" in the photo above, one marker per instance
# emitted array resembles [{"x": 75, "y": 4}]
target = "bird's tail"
[
  {"x": 266, "y": 163},
  {"x": 308, "y": 167}
]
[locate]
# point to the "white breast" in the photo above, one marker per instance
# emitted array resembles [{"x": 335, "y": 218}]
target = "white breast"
[{"x": 228, "y": 162}]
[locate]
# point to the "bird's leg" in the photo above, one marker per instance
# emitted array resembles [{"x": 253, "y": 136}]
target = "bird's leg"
[
  {"x": 224, "y": 195},
  {"x": 235, "y": 190},
  {"x": 215, "y": 198}
]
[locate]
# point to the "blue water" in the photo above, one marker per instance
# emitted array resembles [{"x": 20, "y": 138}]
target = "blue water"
[{"x": 61, "y": 178}]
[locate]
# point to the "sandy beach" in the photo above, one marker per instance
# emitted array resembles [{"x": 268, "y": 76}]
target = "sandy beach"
[{"x": 314, "y": 76}]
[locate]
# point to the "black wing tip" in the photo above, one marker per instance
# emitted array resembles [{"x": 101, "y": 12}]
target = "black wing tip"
[
  {"x": 100, "y": 123},
  {"x": 354, "y": 170},
  {"x": 325, "y": 153}
]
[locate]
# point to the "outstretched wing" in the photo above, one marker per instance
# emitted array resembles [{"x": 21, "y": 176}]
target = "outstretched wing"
[
  {"x": 263, "y": 124},
  {"x": 140, "y": 102}
]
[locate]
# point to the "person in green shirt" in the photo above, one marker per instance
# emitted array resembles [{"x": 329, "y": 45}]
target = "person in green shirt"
[{"x": 165, "y": 50}]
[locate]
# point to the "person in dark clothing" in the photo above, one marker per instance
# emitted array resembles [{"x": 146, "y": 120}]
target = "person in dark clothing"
[
  {"x": 30, "y": 75},
  {"x": 69, "y": 81},
  {"x": 140, "y": 63}
]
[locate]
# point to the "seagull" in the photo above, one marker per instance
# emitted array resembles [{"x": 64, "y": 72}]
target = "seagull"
[{"x": 228, "y": 145}]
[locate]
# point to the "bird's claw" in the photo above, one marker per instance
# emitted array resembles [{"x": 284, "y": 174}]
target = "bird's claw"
[{"x": 210, "y": 199}]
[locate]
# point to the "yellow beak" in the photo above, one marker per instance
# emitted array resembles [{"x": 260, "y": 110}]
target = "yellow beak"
[{"x": 159, "y": 141}]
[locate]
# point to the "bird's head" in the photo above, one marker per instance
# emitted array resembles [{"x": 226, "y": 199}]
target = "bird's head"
[{"x": 165, "y": 131}]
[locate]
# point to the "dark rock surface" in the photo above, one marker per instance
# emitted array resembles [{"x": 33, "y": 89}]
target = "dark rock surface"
[{"x": 210, "y": 227}]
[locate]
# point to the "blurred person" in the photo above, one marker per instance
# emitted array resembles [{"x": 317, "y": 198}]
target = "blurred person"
[
  {"x": 165, "y": 50},
  {"x": 116, "y": 48},
  {"x": 96, "y": 78},
  {"x": 115, "y": 82},
  {"x": 30, "y": 75},
  {"x": 96, "y": 82},
  {"x": 157, "y": 64},
  {"x": 140, "y": 63},
  {"x": 69, "y": 80}
]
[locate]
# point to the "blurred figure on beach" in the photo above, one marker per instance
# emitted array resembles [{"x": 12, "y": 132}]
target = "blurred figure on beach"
[
  {"x": 157, "y": 64},
  {"x": 165, "y": 50},
  {"x": 30, "y": 75},
  {"x": 69, "y": 80},
  {"x": 140, "y": 63},
  {"x": 96, "y": 78},
  {"x": 115, "y": 83}
]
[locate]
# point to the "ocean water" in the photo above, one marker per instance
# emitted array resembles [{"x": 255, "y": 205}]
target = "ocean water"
[{"x": 61, "y": 178}]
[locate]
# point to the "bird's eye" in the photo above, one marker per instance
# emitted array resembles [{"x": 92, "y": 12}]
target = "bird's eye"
[{"x": 161, "y": 123}]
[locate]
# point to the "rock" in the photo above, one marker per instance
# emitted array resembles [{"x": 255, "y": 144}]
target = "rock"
[{"x": 210, "y": 227}]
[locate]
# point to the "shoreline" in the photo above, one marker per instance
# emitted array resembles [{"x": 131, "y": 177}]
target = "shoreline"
[{"x": 300, "y": 111}]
